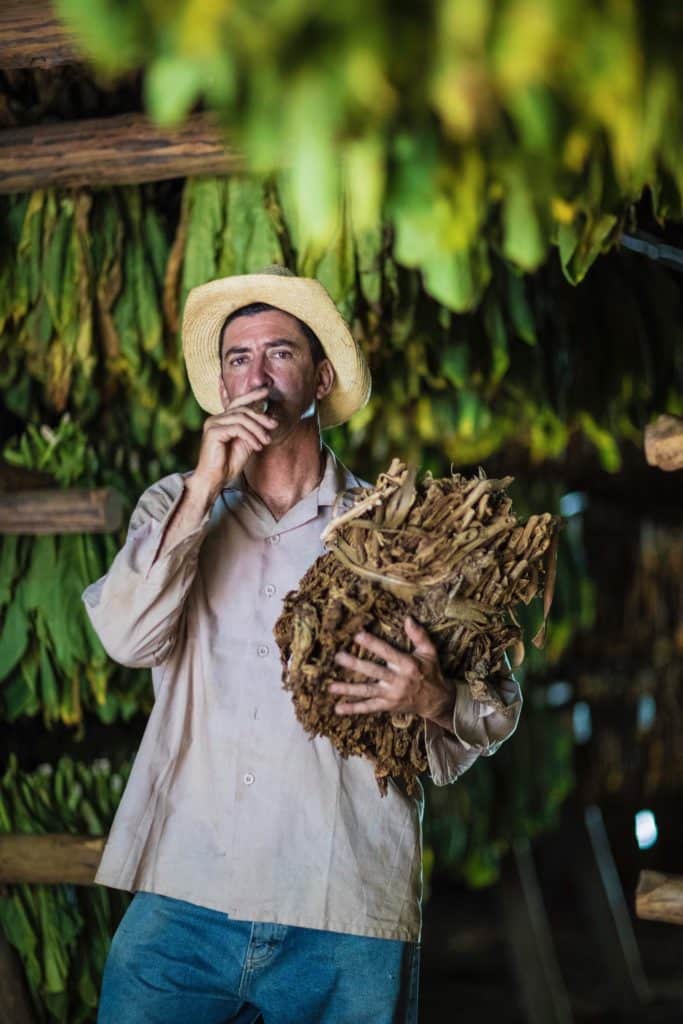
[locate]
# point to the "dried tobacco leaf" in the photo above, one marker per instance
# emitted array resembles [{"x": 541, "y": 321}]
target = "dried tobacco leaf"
[{"x": 447, "y": 551}]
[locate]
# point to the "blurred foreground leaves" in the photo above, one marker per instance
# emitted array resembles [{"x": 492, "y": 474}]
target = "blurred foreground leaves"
[{"x": 472, "y": 126}]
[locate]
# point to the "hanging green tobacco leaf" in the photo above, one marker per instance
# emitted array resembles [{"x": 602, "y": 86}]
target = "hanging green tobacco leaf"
[{"x": 14, "y": 634}]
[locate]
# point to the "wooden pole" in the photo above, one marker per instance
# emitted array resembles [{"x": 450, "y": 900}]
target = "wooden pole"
[
  {"x": 530, "y": 941},
  {"x": 123, "y": 150},
  {"x": 600, "y": 890},
  {"x": 54, "y": 511},
  {"x": 31, "y": 35},
  {"x": 50, "y": 859},
  {"x": 659, "y": 897}
]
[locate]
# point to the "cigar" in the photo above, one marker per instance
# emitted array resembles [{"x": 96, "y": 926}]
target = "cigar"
[{"x": 260, "y": 406}]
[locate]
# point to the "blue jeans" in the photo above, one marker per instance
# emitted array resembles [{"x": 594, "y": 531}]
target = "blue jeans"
[{"x": 172, "y": 962}]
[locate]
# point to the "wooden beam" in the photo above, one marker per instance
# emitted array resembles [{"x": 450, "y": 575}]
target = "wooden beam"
[
  {"x": 50, "y": 859},
  {"x": 31, "y": 35},
  {"x": 123, "y": 150},
  {"x": 68, "y": 511},
  {"x": 659, "y": 897},
  {"x": 664, "y": 442}
]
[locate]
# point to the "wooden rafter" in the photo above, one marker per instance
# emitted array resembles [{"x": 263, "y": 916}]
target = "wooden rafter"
[
  {"x": 31, "y": 35},
  {"x": 123, "y": 150}
]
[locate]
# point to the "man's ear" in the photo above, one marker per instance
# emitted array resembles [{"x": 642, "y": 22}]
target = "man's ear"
[{"x": 325, "y": 373}]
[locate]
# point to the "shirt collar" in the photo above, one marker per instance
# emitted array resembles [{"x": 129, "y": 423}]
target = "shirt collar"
[{"x": 336, "y": 478}]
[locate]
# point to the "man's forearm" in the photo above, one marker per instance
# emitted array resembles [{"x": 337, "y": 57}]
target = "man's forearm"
[{"x": 188, "y": 515}]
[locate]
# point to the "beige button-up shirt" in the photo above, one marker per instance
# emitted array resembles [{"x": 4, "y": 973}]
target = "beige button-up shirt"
[{"x": 230, "y": 804}]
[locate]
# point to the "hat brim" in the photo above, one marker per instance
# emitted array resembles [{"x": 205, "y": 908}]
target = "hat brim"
[{"x": 209, "y": 304}]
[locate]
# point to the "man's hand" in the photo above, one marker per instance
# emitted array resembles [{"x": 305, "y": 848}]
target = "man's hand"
[
  {"x": 405, "y": 683},
  {"x": 230, "y": 438}
]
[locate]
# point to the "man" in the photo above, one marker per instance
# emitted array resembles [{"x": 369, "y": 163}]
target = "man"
[{"x": 270, "y": 876}]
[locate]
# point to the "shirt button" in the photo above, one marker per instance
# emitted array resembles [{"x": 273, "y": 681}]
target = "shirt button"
[
  {"x": 275, "y": 539},
  {"x": 270, "y": 590},
  {"x": 248, "y": 778},
  {"x": 262, "y": 650}
]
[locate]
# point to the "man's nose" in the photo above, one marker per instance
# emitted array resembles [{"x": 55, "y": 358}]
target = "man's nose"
[{"x": 258, "y": 373}]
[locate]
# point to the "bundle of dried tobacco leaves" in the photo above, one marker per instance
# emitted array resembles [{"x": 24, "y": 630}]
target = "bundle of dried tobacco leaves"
[{"x": 449, "y": 552}]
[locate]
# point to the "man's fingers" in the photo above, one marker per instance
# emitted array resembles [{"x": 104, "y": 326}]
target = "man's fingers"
[
  {"x": 255, "y": 395},
  {"x": 366, "y": 668},
  {"x": 420, "y": 638},
  {"x": 234, "y": 431},
  {"x": 242, "y": 419},
  {"x": 243, "y": 414},
  {"x": 393, "y": 657},
  {"x": 243, "y": 403},
  {"x": 356, "y": 689},
  {"x": 363, "y": 707},
  {"x": 269, "y": 422},
  {"x": 334, "y": 683}
]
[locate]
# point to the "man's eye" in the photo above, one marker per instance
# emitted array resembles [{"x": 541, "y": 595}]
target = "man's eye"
[
  {"x": 237, "y": 361},
  {"x": 284, "y": 352}
]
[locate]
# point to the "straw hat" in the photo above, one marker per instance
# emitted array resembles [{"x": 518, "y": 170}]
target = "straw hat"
[{"x": 208, "y": 305}]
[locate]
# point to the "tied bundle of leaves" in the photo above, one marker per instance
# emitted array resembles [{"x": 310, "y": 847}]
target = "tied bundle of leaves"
[{"x": 451, "y": 553}]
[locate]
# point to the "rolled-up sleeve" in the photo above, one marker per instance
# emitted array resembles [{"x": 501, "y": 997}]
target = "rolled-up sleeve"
[
  {"x": 136, "y": 608},
  {"x": 479, "y": 729}
]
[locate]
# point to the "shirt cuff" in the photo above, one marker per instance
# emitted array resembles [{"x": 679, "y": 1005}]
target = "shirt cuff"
[
  {"x": 483, "y": 726},
  {"x": 447, "y": 758},
  {"x": 478, "y": 730}
]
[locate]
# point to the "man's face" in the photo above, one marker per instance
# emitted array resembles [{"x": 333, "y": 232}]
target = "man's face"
[{"x": 270, "y": 349}]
